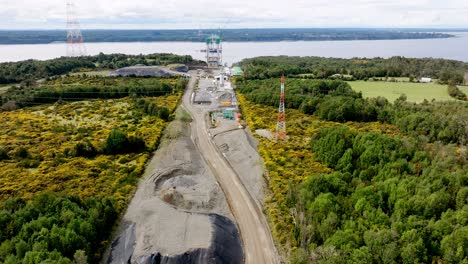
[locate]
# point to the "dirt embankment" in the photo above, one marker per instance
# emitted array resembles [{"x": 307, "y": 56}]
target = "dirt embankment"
[
  {"x": 179, "y": 213},
  {"x": 239, "y": 147}
]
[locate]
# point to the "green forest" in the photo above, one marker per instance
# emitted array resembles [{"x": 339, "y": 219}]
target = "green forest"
[
  {"x": 354, "y": 69},
  {"x": 54, "y": 229},
  {"x": 361, "y": 180}
]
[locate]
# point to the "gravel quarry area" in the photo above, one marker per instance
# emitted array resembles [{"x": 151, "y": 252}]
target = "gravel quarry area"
[
  {"x": 149, "y": 71},
  {"x": 179, "y": 213}
]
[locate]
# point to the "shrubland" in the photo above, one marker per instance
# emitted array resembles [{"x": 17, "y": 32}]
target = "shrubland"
[{"x": 70, "y": 168}]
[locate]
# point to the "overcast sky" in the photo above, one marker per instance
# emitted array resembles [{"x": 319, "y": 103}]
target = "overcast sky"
[{"x": 196, "y": 14}]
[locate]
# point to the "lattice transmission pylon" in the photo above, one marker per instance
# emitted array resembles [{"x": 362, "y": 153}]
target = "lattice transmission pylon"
[
  {"x": 281, "y": 125},
  {"x": 75, "y": 40}
]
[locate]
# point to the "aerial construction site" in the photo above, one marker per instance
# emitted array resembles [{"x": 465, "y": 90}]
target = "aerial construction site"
[{"x": 201, "y": 197}]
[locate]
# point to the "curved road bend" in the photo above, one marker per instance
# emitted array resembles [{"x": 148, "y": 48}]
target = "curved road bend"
[{"x": 258, "y": 243}]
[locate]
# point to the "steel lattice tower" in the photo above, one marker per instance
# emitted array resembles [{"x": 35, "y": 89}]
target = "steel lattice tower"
[
  {"x": 75, "y": 41},
  {"x": 281, "y": 125}
]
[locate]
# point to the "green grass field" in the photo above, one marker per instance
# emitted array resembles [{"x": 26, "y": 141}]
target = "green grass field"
[
  {"x": 396, "y": 79},
  {"x": 415, "y": 92},
  {"x": 464, "y": 89}
]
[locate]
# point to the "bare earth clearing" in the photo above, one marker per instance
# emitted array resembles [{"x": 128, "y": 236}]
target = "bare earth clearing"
[{"x": 258, "y": 243}]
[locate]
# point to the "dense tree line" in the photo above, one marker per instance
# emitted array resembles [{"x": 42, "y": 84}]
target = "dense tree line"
[
  {"x": 358, "y": 68},
  {"x": 35, "y": 37},
  {"x": 334, "y": 100},
  {"x": 25, "y": 71},
  {"x": 388, "y": 201},
  {"x": 52, "y": 229},
  {"x": 267, "y": 91},
  {"x": 435, "y": 121},
  {"x": 120, "y": 143},
  {"x": 79, "y": 88}
]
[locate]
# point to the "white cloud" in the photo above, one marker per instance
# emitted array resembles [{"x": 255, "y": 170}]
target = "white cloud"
[{"x": 25, "y": 14}]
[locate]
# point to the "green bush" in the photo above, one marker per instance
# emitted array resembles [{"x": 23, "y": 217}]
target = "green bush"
[
  {"x": 136, "y": 144},
  {"x": 456, "y": 93},
  {"x": 29, "y": 163},
  {"x": 22, "y": 153},
  {"x": 3, "y": 154},
  {"x": 164, "y": 113},
  {"x": 116, "y": 142},
  {"x": 84, "y": 149},
  {"x": 119, "y": 143}
]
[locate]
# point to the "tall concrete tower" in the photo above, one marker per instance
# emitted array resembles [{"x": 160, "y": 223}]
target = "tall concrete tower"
[
  {"x": 214, "y": 51},
  {"x": 281, "y": 125},
  {"x": 75, "y": 41}
]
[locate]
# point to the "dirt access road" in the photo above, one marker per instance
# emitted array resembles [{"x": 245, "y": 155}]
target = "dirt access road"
[{"x": 258, "y": 243}]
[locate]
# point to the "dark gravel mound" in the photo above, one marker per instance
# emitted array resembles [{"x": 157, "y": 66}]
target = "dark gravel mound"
[
  {"x": 226, "y": 247},
  {"x": 142, "y": 71}
]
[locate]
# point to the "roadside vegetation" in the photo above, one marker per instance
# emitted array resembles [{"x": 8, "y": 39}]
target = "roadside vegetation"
[
  {"x": 362, "y": 180},
  {"x": 71, "y": 164}
]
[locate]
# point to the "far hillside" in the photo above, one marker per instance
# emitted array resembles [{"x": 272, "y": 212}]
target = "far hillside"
[{"x": 261, "y": 34}]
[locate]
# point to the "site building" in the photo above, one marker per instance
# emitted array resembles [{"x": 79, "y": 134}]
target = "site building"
[{"x": 237, "y": 71}]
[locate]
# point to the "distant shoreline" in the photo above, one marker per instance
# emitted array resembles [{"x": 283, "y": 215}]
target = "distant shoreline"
[{"x": 17, "y": 37}]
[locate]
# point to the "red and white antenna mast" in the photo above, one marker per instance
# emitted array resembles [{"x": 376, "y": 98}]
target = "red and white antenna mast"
[
  {"x": 75, "y": 41},
  {"x": 281, "y": 125}
]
